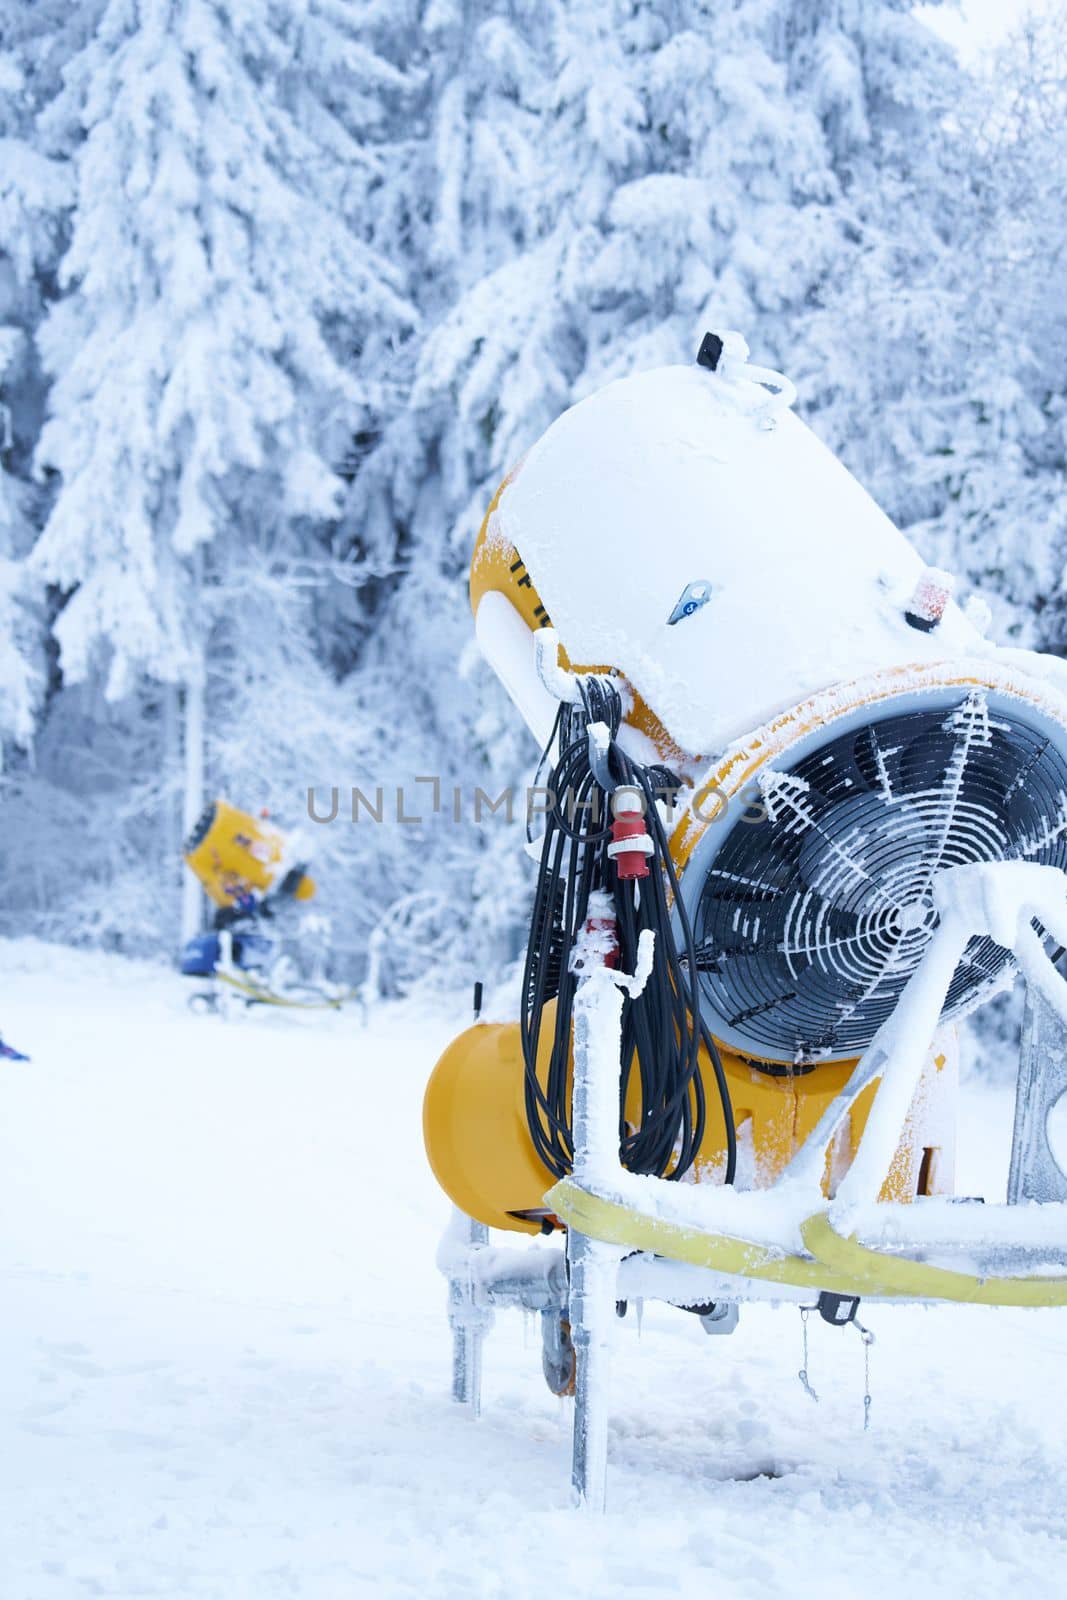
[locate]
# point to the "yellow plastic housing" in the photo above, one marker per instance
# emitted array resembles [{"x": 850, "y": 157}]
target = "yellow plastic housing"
[
  {"x": 474, "y": 1113},
  {"x": 238, "y": 855},
  {"x": 474, "y": 1125},
  {"x": 498, "y": 568}
]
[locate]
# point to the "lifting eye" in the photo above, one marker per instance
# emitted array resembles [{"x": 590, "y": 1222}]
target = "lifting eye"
[{"x": 693, "y": 596}]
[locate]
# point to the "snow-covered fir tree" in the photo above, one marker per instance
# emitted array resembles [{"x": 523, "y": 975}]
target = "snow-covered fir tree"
[
  {"x": 692, "y": 164},
  {"x": 1000, "y": 513},
  {"x": 35, "y": 193},
  {"x": 205, "y": 354},
  {"x": 203, "y": 349}
]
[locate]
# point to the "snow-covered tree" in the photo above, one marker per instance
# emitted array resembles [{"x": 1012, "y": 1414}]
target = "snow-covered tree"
[
  {"x": 35, "y": 193},
  {"x": 216, "y": 290},
  {"x": 1001, "y": 516},
  {"x": 688, "y": 164}
]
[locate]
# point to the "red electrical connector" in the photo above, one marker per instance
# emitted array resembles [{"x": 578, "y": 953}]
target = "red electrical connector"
[
  {"x": 931, "y": 595},
  {"x": 601, "y": 936},
  {"x": 630, "y": 844},
  {"x": 598, "y": 943}
]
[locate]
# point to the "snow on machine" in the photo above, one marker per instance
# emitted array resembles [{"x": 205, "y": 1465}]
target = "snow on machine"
[
  {"x": 803, "y": 818},
  {"x": 250, "y": 871}
]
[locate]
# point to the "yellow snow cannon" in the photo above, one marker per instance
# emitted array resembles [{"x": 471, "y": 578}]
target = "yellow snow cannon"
[
  {"x": 712, "y": 629},
  {"x": 238, "y": 857},
  {"x": 479, "y": 1147}
]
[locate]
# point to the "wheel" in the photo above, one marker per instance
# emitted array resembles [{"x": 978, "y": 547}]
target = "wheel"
[{"x": 558, "y": 1360}]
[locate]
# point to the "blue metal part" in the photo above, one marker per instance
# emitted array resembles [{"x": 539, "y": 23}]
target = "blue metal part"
[{"x": 693, "y": 596}]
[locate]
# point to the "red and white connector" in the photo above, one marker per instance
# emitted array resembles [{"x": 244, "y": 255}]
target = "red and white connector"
[
  {"x": 598, "y": 943},
  {"x": 630, "y": 844},
  {"x": 929, "y": 598}
]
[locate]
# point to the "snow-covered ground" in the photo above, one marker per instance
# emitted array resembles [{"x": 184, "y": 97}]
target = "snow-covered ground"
[{"x": 224, "y": 1361}]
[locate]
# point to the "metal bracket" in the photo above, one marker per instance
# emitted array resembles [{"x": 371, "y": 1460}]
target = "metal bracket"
[
  {"x": 1035, "y": 1174},
  {"x": 722, "y": 1319}
]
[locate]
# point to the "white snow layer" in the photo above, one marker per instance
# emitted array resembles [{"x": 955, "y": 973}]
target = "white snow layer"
[
  {"x": 666, "y": 478},
  {"x": 225, "y": 1362}
]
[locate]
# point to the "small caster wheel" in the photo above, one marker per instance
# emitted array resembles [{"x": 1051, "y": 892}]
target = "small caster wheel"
[{"x": 558, "y": 1360}]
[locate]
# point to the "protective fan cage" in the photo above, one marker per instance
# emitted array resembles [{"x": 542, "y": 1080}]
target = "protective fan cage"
[{"x": 810, "y": 921}]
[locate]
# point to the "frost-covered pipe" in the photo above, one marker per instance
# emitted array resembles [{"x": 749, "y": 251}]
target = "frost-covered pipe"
[
  {"x": 594, "y": 1265},
  {"x": 999, "y": 900},
  {"x": 594, "y": 1270},
  {"x": 905, "y": 1040},
  {"x": 561, "y": 684}
]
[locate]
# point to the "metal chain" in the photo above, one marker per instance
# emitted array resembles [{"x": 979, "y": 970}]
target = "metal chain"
[
  {"x": 805, "y": 1311},
  {"x": 868, "y": 1339}
]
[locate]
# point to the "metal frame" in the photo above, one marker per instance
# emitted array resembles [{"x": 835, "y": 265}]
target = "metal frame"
[
  {"x": 583, "y": 1282},
  {"x": 1034, "y": 1173}
]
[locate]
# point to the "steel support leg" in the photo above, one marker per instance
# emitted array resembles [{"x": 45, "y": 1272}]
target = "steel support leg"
[
  {"x": 594, "y": 1280},
  {"x": 594, "y": 1266},
  {"x": 468, "y": 1321}
]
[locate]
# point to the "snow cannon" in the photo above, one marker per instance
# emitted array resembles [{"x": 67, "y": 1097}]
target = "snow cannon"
[
  {"x": 800, "y": 817},
  {"x": 832, "y": 730},
  {"x": 240, "y": 859},
  {"x": 256, "y": 953}
]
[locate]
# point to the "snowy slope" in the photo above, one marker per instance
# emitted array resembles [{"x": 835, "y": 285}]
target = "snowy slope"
[{"x": 224, "y": 1364}]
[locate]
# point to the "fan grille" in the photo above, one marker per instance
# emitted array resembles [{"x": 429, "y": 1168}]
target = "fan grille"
[{"x": 810, "y": 921}]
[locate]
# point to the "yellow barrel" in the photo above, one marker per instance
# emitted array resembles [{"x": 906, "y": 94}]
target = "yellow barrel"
[{"x": 481, "y": 1153}]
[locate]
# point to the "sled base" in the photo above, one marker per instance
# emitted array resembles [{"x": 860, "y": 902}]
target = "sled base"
[
  {"x": 835, "y": 1263},
  {"x": 244, "y": 988}
]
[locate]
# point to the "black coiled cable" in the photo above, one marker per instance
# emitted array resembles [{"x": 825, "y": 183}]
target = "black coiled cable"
[{"x": 662, "y": 1028}]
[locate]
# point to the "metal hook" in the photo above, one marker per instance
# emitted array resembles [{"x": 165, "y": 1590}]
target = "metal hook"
[
  {"x": 868, "y": 1339},
  {"x": 805, "y": 1311}
]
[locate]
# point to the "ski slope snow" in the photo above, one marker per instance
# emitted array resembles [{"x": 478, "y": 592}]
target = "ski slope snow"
[{"x": 224, "y": 1361}]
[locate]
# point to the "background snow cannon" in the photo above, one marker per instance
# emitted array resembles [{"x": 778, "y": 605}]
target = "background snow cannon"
[
  {"x": 258, "y": 951},
  {"x": 238, "y": 857},
  {"x": 841, "y": 731}
]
